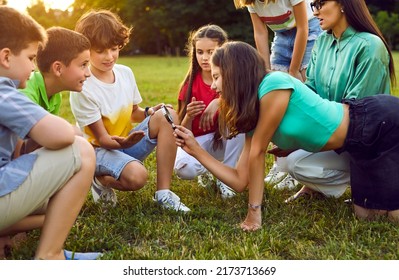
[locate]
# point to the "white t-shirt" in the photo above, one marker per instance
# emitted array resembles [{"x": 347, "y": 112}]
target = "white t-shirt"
[
  {"x": 279, "y": 16},
  {"x": 113, "y": 103}
]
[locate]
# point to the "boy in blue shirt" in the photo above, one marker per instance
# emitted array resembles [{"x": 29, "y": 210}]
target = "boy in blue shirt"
[{"x": 48, "y": 187}]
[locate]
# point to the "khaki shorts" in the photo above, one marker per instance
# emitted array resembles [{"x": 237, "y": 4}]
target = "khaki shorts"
[{"x": 51, "y": 171}]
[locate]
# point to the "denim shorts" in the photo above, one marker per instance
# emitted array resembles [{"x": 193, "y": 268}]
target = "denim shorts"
[
  {"x": 112, "y": 162},
  {"x": 283, "y": 46},
  {"x": 373, "y": 146}
]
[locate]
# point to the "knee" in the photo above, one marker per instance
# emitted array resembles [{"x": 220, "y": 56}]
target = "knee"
[
  {"x": 186, "y": 172},
  {"x": 86, "y": 151},
  {"x": 135, "y": 178}
]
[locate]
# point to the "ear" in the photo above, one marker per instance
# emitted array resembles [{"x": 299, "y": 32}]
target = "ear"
[
  {"x": 57, "y": 68},
  {"x": 5, "y": 54}
]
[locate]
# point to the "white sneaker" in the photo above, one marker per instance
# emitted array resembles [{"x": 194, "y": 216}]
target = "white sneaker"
[
  {"x": 169, "y": 200},
  {"x": 274, "y": 176},
  {"x": 205, "y": 180},
  {"x": 225, "y": 191},
  {"x": 103, "y": 194},
  {"x": 287, "y": 183}
]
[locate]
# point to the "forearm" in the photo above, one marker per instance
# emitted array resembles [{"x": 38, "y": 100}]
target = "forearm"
[
  {"x": 187, "y": 122},
  {"x": 299, "y": 50},
  {"x": 236, "y": 178},
  {"x": 256, "y": 173}
]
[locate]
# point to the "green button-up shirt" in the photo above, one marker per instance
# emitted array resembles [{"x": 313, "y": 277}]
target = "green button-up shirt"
[
  {"x": 353, "y": 66},
  {"x": 36, "y": 91}
]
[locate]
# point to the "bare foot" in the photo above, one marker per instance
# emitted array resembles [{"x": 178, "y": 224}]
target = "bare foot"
[{"x": 7, "y": 243}]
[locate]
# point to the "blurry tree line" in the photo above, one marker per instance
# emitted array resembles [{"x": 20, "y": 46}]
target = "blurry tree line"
[{"x": 162, "y": 27}]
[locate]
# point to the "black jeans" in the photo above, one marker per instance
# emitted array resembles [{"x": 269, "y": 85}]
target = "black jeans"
[{"x": 373, "y": 145}]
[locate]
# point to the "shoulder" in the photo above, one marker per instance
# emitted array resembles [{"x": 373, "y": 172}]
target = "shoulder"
[
  {"x": 275, "y": 81},
  {"x": 35, "y": 81},
  {"x": 123, "y": 71},
  {"x": 370, "y": 46},
  {"x": 369, "y": 40}
]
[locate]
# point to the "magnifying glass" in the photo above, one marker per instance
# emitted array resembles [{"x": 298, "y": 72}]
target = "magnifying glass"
[{"x": 168, "y": 116}]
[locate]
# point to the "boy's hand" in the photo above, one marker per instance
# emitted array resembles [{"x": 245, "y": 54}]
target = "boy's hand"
[{"x": 130, "y": 140}]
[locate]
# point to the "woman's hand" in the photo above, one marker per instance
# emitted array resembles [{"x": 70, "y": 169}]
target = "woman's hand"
[{"x": 253, "y": 221}]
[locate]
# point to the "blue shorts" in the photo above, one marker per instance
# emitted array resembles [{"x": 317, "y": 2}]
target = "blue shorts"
[
  {"x": 283, "y": 46},
  {"x": 112, "y": 162},
  {"x": 372, "y": 142}
]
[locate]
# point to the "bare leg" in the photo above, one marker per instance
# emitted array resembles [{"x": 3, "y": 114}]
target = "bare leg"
[
  {"x": 26, "y": 224},
  {"x": 166, "y": 148},
  {"x": 394, "y": 215},
  {"x": 64, "y": 206},
  {"x": 368, "y": 214}
]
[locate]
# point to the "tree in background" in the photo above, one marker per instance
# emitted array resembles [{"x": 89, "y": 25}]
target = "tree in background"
[{"x": 161, "y": 27}]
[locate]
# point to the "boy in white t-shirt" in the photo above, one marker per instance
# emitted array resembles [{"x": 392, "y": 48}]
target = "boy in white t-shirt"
[{"x": 105, "y": 111}]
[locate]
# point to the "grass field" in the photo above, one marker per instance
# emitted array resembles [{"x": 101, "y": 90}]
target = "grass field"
[{"x": 138, "y": 229}]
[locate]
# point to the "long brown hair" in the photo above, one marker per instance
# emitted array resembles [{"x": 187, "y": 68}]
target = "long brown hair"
[
  {"x": 242, "y": 70},
  {"x": 359, "y": 17},
  {"x": 217, "y": 34},
  {"x": 211, "y": 31}
]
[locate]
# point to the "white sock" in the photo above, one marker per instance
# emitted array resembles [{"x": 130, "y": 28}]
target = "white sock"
[{"x": 161, "y": 193}]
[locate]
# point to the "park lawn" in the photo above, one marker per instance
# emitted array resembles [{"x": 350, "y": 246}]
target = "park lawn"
[{"x": 138, "y": 229}]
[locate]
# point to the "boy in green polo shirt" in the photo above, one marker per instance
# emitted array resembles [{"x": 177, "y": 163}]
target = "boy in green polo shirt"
[{"x": 63, "y": 66}]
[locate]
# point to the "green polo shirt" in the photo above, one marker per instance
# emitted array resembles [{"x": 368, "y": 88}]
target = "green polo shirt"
[
  {"x": 353, "y": 66},
  {"x": 36, "y": 91}
]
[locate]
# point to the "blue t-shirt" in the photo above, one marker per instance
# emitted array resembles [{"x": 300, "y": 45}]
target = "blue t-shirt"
[
  {"x": 18, "y": 115},
  {"x": 309, "y": 120}
]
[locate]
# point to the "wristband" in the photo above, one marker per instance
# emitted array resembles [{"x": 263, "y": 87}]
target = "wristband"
[{"x": 146, "y": 111}]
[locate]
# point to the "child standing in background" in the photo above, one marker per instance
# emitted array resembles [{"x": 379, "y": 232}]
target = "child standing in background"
[
  {"x": 295, "y": 31},
  {"x": 198, "y": 105},
  {"x": 105, "y": 111}
]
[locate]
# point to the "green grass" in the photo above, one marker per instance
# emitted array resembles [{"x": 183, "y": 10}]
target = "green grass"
[{"x": 138, "y": 229}]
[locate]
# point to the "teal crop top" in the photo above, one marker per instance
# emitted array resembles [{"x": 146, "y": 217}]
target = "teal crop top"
[{"x": 309, "y": 120}]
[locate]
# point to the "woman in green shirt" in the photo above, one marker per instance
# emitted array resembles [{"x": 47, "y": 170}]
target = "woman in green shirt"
[
  {"x": 279, "y": 108},
  {"x": 350, "y": 60}
]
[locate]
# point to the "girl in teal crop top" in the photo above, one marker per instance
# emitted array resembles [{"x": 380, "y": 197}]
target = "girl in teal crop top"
[
  {"x": 276, "y": 107},
  {"x": 301, "y": 126}
]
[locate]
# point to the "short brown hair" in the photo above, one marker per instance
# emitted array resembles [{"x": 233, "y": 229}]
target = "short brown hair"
[
  {"x": 19, "y": 30},
  {"x": 104, "y": 29},
  {"x": 63, "y": 45}
]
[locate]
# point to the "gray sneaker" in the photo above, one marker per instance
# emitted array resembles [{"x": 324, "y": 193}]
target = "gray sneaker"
[
  {"x": 274, "y": 176},
  {"x": 287, "y": 183},
  {"x": 225, "y": 191},
  {"x": 103, "y": 194},
  {"x": 170, "y": 200}
]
